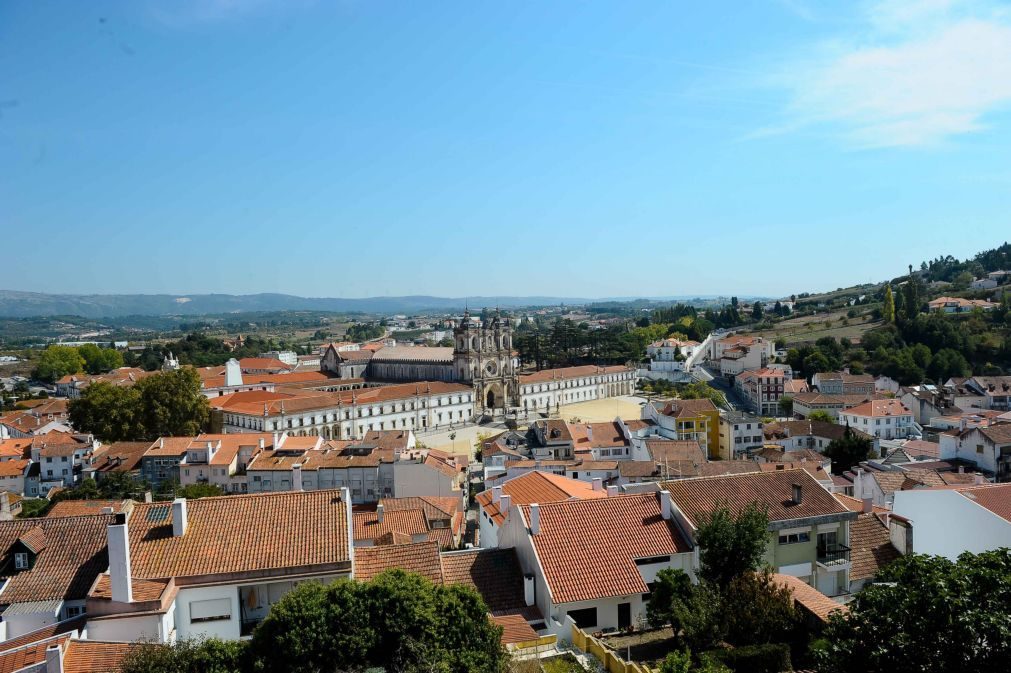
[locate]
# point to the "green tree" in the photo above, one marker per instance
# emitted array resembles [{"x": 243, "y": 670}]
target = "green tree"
[
  {"x": 672, "y": 585},
  {"x": 111, "y": 413},
  {"x": 757, "y": 312},
  {"x": 100, "y": 360},
  {"x": 163, "y": 404},
  {"x": 940, "y": 616},
  {"x": 757, "y": 609},
  {"x": 888, "y": 309},
  {"x": 848, "y": 450},
  {"x": 187, "y": 656},
  {"x": 820, "y": 415},
  {"x": 816, "y": 363},
  {"x": 172, "y": 404},
  {"x": 398, "y": 622},
  {"x": 731, "y": 544},
  {"x": 195, "y": 491},
  {"x": 56, "y": 362},
  {"x": 786, "y": 405},
  {"x": 701, "y": 390},
  {"x": 677, "y": 662}
]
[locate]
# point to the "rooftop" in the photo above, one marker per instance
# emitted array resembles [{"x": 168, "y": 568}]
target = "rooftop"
[
  {"x": 774, "y": 490},
  {"x": 588, "y": 548},
  {"x": 240, "y": 534}
]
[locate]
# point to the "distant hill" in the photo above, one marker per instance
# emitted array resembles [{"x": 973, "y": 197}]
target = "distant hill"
[{"x": 14, "y": 304}]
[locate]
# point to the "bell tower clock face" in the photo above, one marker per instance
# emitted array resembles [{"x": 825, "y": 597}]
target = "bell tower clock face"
[{"x": 491, "y": 369}]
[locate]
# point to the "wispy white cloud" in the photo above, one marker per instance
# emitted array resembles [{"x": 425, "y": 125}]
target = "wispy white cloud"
[{"x": 918, "y": 73}]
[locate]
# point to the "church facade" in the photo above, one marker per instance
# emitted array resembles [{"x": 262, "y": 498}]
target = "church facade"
[{"x": 482, "y": 357}]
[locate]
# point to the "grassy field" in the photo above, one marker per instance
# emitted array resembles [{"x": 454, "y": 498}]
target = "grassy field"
[{"x": 811, "y": 328}]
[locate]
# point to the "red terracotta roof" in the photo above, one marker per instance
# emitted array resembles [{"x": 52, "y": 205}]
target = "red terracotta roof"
[
  {"x": 871, "y": 547},
  {"x": 407, "y": 521},
  {"x": 588, "y": 548},
  {"x": 810, "y": 598},
  {"x": 85, "y": 507},
  {"x": 536, "y": 486},
  {"x": 240, "y": 533},
  {"x": 93, "y": 656},
  {"x": 562, "y": 373},
  {"x": 74, "y": 555},
  {"x": 700, "y": 496},
  {"x": 994, "y": 497},
  {"x": 419, "y": 557}
]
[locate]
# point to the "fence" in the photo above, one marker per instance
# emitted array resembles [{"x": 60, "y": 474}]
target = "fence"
[{"x": 611, "y": 661}]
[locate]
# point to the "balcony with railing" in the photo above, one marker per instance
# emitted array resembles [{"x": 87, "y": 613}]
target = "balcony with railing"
[{"x": 833, "y": 556}]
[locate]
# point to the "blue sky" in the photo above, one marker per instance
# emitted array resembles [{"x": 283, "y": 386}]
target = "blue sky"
[{"x": 566, "y": 148}]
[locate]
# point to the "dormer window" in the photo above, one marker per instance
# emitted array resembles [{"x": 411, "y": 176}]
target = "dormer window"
[{"x": 21, "y": 561}]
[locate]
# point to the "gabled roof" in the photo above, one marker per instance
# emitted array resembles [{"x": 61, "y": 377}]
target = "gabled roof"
[
  {"x": 871, "y": 547},
  {"x": 994, "y": 497},
  {"x": 418, "y": 557},
  {"x": 93, "y": 656},
  {"x": 588, "y": 548},
  {"x": 120, "y": 456},
  {"x": 73, "y": 556},
  {"x": 494, "y": 573},
  {"x": 405, "y": 521},
  {"x": 688, "y": 408},
  {"x": 683, "y": 456},
  {"x": 240, "y": 534},
  {"x": 879, "y": 409},
  {"x": 86, "y": 507},
  {"x": 774, "y": 490},
  {"x": 812, "y": 600},
  {"x": 563, "y": 373},
  {"x": 536, "y": 486}
]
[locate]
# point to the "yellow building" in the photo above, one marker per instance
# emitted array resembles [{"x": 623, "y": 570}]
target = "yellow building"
[{"x": 687, "y": 419}]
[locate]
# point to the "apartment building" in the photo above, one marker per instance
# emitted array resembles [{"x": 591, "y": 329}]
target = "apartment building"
[
  {"x": 697, "y": 420},
  {"x": 809, "y": 526},
  {"x": 762, "y": 389},
  {"x": 843, "y": 383},
  {"x": 882, "y": 419}
]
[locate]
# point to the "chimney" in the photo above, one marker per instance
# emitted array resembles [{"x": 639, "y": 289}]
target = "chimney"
[
  {"x": 589, "y": 432},
  {"x": 612, "y": 491},
  {"x": 5, "y": 507},
  {"x": 380, "y": 511},
  {"x": 262, "y": 443},
  {"x": 868, "y": 505},
  {"x": 148, "y": 497},
  {"x": 179, "y": 522},
  {"x": 798, "y": 493},
  {"x": 233, "y": 373},
  {"x": 54, "y": 659},
  {"x": 666, "y": 504},
  {"x": 598, "y": 484},
  {"x": 528, "y": 589},
  {"x": 535, "y": 518},
  {"x": 503, "y": 505},
  {"x": 978, "y": 479},
  {"x": 277, "y": 439},
  {"x": 496, "y": 494},
  {"x": 296, "y": 477},
  {"x": 120, "y": 576}
]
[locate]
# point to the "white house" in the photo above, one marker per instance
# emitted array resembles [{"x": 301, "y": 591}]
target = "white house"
[
  {"x": 948, "y": 522},
  {"x": 213, "y": 567},
  {"x": 884, "y": 419},
  {"x": 593, "y": 561}
]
